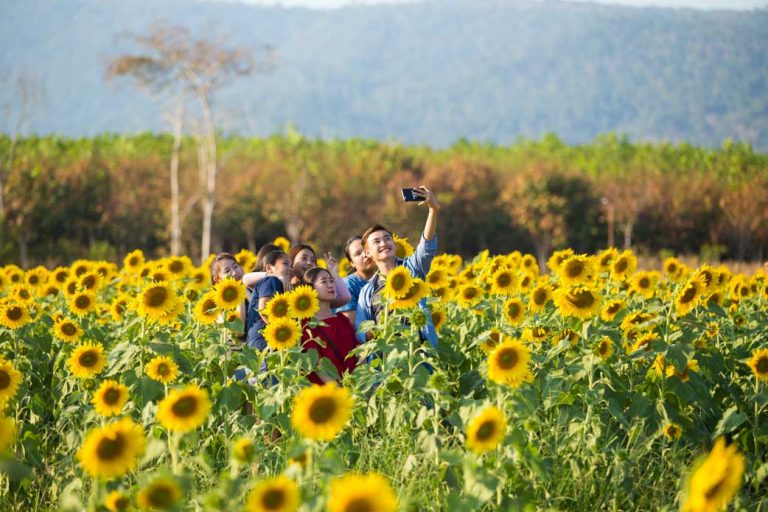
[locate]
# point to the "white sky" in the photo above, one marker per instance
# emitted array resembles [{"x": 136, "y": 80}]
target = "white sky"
[{"x": 697, "y": 4}]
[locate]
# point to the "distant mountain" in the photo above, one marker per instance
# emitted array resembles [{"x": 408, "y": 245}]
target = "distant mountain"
[{"x": 427, "y": 72}]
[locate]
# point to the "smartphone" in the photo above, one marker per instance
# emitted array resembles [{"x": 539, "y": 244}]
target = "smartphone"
[{"x": 410, "y": 194}]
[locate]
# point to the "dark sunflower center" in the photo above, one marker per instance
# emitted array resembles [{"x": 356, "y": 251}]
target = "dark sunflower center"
[
  {"x": 620, "y": 265},
  {"x": 89, "y": 282},
  {"x": 582, "y": 299},
  {"x": 613, "y": 308},
  {"x": 88, "y": 359},
  {"x": 14, "y": 313},
  {"x": 163, "y": 370},
  {"x": 539, "y": 332},
  {"x": 176, "y": 267},
  {"x": 5, "y": 380},
  {"x": 513, "y": 310},
  {"x": 160, "y": 496},
  {"x": 508, "y": 358},
  {"x": 762, "y": 365},
  {"x": 398, "y": 282},
  {"x": 603, "y": 349},
  {"x": 362, "y": 504},
  {"x": 273, "y": 499},
  {"x": 34, "y": 280},
  {"x": 83, "y": 301},
  {"x": 280, "y": 308},
  {"x": 229, "y": 294},
  {"x": 110, "y": 449},
  {"x": 743, "y": 291},
  {"x": 112, "y": 396},
  {"x": 68, "y": 329},
  {"x": 61, "y": 277},
  {"x": 133, "y": 261},
  {"x": 486, "y": 430},
  {"x": 504, "y": 280},
  {"x": 322, "y": 410},
  {"x": 539, "y": 296},
  {"x": 672, "y": 431},
  {"x": 24, "y": 294},
  {"x": 156, "y": 297},
  {"x": 303, "y": 303},
  {"x": 715, "y": 489},
  {"x": 688, "y": 295},
  {"x": 470, "y": 293},
  {"x": 283, "y": 334},
  {"x": 209, "y": 304},
  {"x": 185, "y": 407},
  {"x": 644, "y": 283},
  {"x": 525, "y": 282},
  {"x": 574, "y": 268}
]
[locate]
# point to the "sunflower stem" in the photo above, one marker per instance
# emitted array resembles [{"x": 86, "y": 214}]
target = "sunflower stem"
[{"x": 173, "y": 447}]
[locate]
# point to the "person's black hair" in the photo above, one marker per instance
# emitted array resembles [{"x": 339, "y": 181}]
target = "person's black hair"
[
  {"x": 273, "y": 257},
  {"x": 311, "y": 275},
  {"x": 265, "y": 249},
  {"x": 348, "y": 243}
]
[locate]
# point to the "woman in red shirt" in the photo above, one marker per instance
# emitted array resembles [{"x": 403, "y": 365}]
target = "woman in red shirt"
[{"x": 335, "y": 337}]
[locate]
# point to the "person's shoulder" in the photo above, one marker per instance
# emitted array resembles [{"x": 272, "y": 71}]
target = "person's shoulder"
[{"x": 270, "y": 283}]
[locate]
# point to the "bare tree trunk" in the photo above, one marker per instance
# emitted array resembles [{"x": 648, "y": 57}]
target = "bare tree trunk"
[
  {"x": 627, "y": 230},
  {"x": 209, "y": 195},
  {"x": 178, "y": 122},
  {"x": 23, "y": 247},
  {"x": 542, "y": 251}
]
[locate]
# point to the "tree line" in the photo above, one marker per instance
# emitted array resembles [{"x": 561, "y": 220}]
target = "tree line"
[{"x": 101, "y": 197}]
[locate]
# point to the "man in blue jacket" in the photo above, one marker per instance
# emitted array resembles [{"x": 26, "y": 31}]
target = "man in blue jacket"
[{"x": 378, "y": 243}]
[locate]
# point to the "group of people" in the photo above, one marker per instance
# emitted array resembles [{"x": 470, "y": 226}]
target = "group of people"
[{"x": 345, "y": 304}]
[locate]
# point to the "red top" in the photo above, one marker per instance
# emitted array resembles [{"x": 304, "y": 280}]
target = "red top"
[{"x": 339, "y": 335}]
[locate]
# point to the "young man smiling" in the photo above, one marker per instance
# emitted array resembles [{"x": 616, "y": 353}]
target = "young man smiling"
[{"x": 378, "y": 243}]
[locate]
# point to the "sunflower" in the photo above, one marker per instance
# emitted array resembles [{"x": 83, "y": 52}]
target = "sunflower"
[
  {"x": 345, "y": 267},
  {"x": 691, "y": 366},
  {"x": 303, "y": 302},
  {"x": 229, "y": 293},
  {"x": 354, "y": 492},
  {"x": 709, "y": 277},
  {"x": 67, "y": 330},
  {"x": 14, "y": 274},
  {"x": 198, "y": 278},
  {"x": 576, "y": 270},
  {"x": 278, "y": 307},
  {"x": 10, "y": 379},
  {"x": 113, "y": 450},
  {"x": 529, "y": 264},
  {"x": 438, "y": 318},
  {"x": 22, "y": 294},
  {"x": 157, "y": 300},
  {"x": 49, "y": 290},
  {"x": 87, "y": 360},
  {"x": 90, "y": 281},
  {"x": 538, "y": 334},
  {"x": 117, "y": 501},
  {"x": 527, "y": 280},
  {"x": 673, "y": 268},
  {"x": 321, "y": 412},
  {"x": 36, "y": 277},
  {"x": 557, "y": 258},
  {"x": 739, "y": 288},
  {"x": 170, "y": 316},
  {"x": 486, "y": 430},
  {"x": 644, "y": 283},
  {"x": 623, "y": 265},
  {"x": 643, "y": 341},
  {"x": 110, "y": 398},
  {"x": 539, "y": 297},
  {"x": 604, "y": 348},
  {"x": 491, "y": 339},
  {"x": 399, "y": 281},
  {"x": 184, "y": 409},
  {"x": 82, "y": 302},
  {"x": 205, "y": 310},
  {"x": 759, "y": 364},
  {"x": 415, "y": 293},
  {"x": 715, "y": 480},
  {"x": 119, "y": 307},
  {"x": 162, "y": 369},
  {"x": 611, "y": 309},
  {"x": 672, "y": 431},
  {"x": 636, "y": 321},
  {"x": 503, "y": 281},
  {"x": 7, "y": 433},
  {"x": 402, "y": 248},
  {"x": 162, "y": 493},
  {"x": 580, "y": 301},
  {"x": 437, "y": 278},
  {"x": 605, "y": 258},
  {"x": 688, "y": 297},
  {"x": 70, "y": 287},
  {"x": 283, "y": 243},
  {"x": 514, "y": 311},
  {"x": 469, "y": 294},
  {"x": 278, "y": 494},
  {"x": 14, "y": 315},
  {"x": 133, "y": 261},
  {"x": 508, "y": 363},
  {"x": 282, "y": 333},
  {"x": 178, "y": 266},
  {"x": 243, "y": 450}
]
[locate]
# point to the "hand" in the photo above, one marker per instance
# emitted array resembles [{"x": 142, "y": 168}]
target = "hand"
[
  {"x": 429, "y": 197},
  {"x": 331, "y": 263}
]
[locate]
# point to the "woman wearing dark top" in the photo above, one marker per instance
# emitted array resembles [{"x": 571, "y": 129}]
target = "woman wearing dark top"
[
  {"x": 278, "y": 279},
  {"x": 336, "y": 339}
]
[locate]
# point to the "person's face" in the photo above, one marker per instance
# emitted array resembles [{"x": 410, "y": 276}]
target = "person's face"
[
  {"x": 282, "y": 269},
  {"x": 324, "y": 286},
  {"x": 380, "y": 246},
  {"x": 360, "y": 259},
  {"x": 304, "y": 260},
  {"x": 230, "y": 268}
]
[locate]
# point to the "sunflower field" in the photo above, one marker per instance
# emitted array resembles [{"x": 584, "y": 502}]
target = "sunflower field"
[{"x": 594, "y": 385}]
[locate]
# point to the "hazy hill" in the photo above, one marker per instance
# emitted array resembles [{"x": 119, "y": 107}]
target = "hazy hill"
[{"x": 428, "y": 72}]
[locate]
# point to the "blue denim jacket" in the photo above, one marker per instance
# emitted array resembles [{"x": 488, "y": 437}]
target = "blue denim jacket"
[{"x": 418, "y": 264}]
